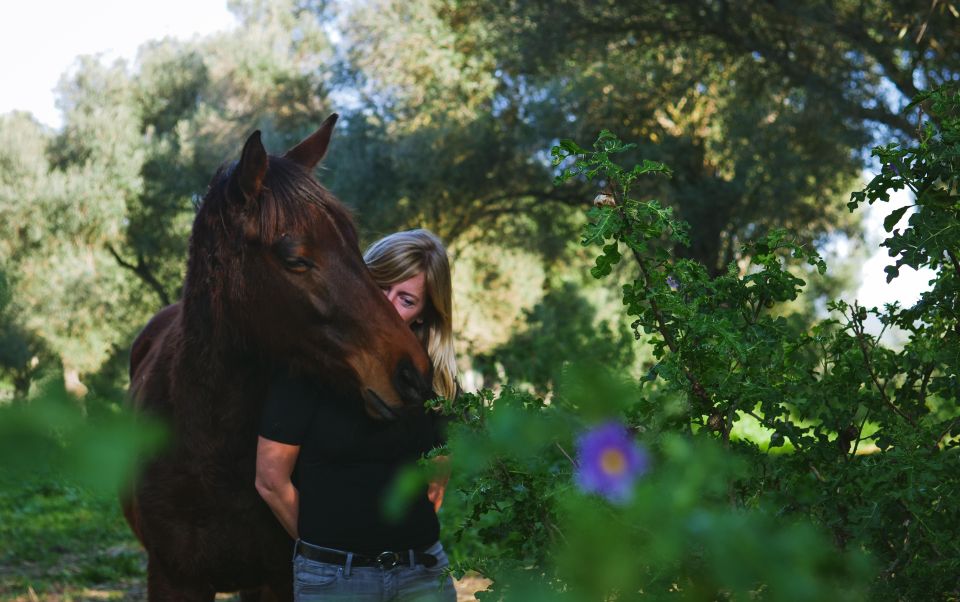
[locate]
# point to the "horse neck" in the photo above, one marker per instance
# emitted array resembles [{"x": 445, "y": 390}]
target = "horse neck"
[
  {"x": 220, "y": 377},
  {"x": 213, "y": 340},
  {"x": 220, "y": 388}
]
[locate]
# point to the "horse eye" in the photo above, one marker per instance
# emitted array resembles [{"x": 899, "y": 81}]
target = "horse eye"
[{"x": 295, "y": 263}]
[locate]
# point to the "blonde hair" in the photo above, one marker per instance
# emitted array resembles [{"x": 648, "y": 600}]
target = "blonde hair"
[{"x": 403, "y": 255}]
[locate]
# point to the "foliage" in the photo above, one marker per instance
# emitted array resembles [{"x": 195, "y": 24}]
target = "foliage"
[
  {"x": 853, "y": 489},
  {"x": 521, "y": 521},
  {"x": 867, "y": 57},
  {"x": 50, "y": 434},
  {"x": 751, "y": 148},
  {"x": 562, "y": 328},
  {"x": 763, "y": 112},
  {"x": 18, "y": 345},
  {"x": 96, "y": 216},
  {"x": 61, "y": 471},
  {"x": 55, "y": 536},
  {"x": 449, "y": 109},
  {"x": 195, "y": 101}
]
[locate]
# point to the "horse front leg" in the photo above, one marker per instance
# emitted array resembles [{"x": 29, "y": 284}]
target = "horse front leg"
[{"x": 161, "y": 589}]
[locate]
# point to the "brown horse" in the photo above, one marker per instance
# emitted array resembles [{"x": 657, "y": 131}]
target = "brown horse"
[{"x": 274, "y": 278}]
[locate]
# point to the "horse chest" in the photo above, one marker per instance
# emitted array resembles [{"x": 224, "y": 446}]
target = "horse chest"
[{"x": 214, "y": 513}]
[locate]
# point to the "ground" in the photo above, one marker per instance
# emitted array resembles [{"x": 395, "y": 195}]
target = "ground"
[{"x": 134, "y": 590}]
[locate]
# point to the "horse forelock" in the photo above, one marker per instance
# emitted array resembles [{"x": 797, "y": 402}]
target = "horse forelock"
[{"x": 291, "y": 201}]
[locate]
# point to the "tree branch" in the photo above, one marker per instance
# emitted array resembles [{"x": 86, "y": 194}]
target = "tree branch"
[
  {"x": 143, "y": 272},
  {"x": 697, "y": 388},
  {"x": 953, "y": 260},
  {"x": 503, "y": 204},
  {"x": 868, "y": 364},
  {"x": 946, "y": 431}
]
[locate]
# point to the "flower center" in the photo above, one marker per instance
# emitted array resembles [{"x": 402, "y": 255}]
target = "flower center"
[{"x": 613, "y": 462}]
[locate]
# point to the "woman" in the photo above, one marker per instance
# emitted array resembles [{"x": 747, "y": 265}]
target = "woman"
[
  {"x": 345, "y": 462},
  {"x": 412, "y": 269}
]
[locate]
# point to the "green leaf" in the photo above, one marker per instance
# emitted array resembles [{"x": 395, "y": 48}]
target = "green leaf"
[
  {"x": 572, "y": 147},
  {"x": 894, "y": 217}
]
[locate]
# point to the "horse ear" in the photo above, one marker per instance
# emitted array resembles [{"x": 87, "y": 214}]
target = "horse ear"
[
  {"x": 250, "y": 172},
  {"x": 313, "y": 148}
]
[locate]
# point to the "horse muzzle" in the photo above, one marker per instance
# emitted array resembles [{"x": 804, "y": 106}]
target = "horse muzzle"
[
  {"x": 390, "y": 389},
  {"x": 380, "y": 408}
]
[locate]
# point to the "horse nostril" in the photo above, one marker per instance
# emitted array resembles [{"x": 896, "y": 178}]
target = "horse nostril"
[
  {"x": 411, "y": 384},
  {"x": 412, "y": 380}
]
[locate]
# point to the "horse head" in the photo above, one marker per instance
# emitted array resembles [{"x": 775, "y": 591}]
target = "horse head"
[{"x": 279, "y": 259}]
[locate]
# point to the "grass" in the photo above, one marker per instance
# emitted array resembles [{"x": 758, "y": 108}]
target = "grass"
[
  {"x": 64, "y": 543},
  {"x": 58, "y": 539}
]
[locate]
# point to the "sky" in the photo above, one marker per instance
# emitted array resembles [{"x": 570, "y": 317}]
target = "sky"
[
  {"x": 40, "y": 40},
  {"x": 874, "y": 290}
]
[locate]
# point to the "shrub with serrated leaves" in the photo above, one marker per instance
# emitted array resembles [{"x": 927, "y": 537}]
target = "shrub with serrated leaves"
[{"x": 849, "y": 492}]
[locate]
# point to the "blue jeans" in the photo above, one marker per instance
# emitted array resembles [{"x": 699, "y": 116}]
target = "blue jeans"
[{"x": 319, "y": 581}]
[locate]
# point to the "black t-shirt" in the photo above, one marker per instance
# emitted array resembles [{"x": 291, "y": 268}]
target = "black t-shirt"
[{"x": 347, "y": 464}]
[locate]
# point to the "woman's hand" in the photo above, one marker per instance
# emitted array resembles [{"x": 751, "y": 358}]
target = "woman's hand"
[{"x": 438, "y": 484}]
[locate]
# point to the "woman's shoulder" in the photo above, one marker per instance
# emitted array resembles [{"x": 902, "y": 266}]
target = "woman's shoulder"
[
  {"x": 287, "y": 382},
  {"x": 290, "y": 386}
]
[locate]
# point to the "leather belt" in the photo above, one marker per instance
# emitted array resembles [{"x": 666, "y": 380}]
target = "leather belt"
[{"x": 383, "y": 560}]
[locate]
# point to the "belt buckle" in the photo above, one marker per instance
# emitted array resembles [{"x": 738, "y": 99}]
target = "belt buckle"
[{"x": 388, "y": 560}]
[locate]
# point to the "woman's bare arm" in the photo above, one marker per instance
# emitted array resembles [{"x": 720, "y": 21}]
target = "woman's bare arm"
[{"x": 275, "y": 462}]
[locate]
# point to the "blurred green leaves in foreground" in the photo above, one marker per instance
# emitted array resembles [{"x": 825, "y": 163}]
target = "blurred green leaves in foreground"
[
  {"x": 51, "y": 436},
  {"x": 516, "y": 514}
]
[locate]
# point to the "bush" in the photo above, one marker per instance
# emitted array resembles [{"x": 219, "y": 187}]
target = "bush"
[{"x": 852, "y": 489}]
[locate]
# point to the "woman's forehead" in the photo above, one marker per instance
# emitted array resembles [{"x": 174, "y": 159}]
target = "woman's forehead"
[{"x": 414, "y": 284}]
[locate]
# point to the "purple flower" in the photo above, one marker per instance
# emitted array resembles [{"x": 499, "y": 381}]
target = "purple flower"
[
  {"x": 673, "y": 283},
  {"x": 609, "y": 461}
]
